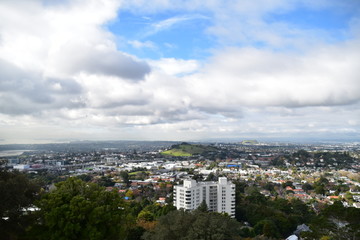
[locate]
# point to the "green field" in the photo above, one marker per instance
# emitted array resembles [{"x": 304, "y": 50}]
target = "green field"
[
  {"x": 176, "y": 153},
  {"x": 134, "y": 173}
]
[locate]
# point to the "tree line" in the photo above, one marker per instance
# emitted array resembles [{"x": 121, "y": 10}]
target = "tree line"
[{"x": 77, "y": 209}]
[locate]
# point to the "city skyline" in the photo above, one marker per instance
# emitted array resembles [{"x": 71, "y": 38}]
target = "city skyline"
[{"x": 179, "y": 70}]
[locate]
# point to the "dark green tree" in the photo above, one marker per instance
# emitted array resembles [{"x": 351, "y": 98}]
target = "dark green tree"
[
  {"x": 125, "y": 177},
  {"x": 211, "y": 177},
  {"x": 194, "y": 225},
  {"x": 240, "y": 187},
  {"x": 322, "y": 181},
  {"x": 273, "y": 218},
  {"x": 267, "y": 228},
  {"x": 278, "y": 161},
  {"x": 85, "y": 177},
  {"x": 307, "y": 187},
  {"x": 17, "y": 193},
  {"x": 79, "y": 210},
  {"x": 303, "y": 154},
  {"x": 198, "y": 177},
  {"x": 320, "y": 189},
  {"x": 203, "y": 207},
  {"x": 336, "y": 222},
  {"x": 105, "y": 182}
]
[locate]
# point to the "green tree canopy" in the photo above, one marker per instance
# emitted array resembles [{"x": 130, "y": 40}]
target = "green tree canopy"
[
  {"x": 80, "y": 210},
  {"x": 203, "y": 207},
  {"x": 194, "y": 225},
  {"x": 211, "y": 177},
  {"x": 145, "y": 215},
  {"x": 17, "y": 193},
  {"x": 337, "y": 222},
  {"x": 125, "y": 177}
]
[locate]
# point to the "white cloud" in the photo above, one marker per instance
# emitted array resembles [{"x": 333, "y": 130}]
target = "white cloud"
[
  {"x": 168, "y": 23},
  {"x": 250, "y": 23},
  {"x": 62, "y": 74},
  {"x": 323, "y": 76},
  {"x": 45, "y": 47},
  {"x": 97, "y": 59},
  {"x": 108, "y": 92},
  {"x": 145, "y": 44},
  {"x": 174, "y": 66}
]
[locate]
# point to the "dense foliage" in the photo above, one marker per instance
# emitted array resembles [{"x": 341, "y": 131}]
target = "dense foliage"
[
  {"x": 17, "y": 193},
  {"x": 276, "y": 218},
  {"x": 338, "y": 160},
  {"x": 194, "y": 225},
  {"x": 335, "y": 222},
  {"x": 77, "y": 209}
]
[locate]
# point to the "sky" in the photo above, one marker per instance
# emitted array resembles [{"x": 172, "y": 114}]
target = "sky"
[{"x": 182, "y": 70}]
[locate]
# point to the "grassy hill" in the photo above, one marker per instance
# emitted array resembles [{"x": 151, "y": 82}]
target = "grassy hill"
[
  {"x": 249, "y": 142},
  {"x": 187, "y": 150}
]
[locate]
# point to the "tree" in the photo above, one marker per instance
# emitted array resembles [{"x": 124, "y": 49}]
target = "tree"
[
  {"x": 254, "y": 196},
  {"x": 105, "y": 182},
  {"x": 337, "y": 222},
  {"x": 320, "y": 189},
  {"x": 212, "y": 165},
  {"x": 266, "y": 227},
  {"x": 203, "y": 207},
  {"x": 194, "y": 225},
  {"x": 198, "y": 177},
  {"x": 17, "y": 193},
  {"x": 287, "y": 184},
  {"x": 129, "y": 194},
  {"x": 271, "y": 217},
  {"x": 79, "y": 210},
  {"x": 247, "y": 232},
  {"x": 145, "y": 215},
  {"x": 211, "y": 177},
  {"x": 125, "y": 177},
  {"x": 85, "y": 177},
  {"x": 322, "y": 181},
  {"x": 303, "y": 154},
  {"x": 307, "y": 187},
  {"x": 278, "y": 161},
  {"x": 239, "y": 187}
]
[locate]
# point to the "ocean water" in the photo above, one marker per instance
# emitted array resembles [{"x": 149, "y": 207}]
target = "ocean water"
[{"x": 11, "y": 153}]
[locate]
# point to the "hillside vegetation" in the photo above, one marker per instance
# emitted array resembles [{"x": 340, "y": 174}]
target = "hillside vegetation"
[
  {"x": 249, "y": 142},
  {"x": 187, "y": 150}
]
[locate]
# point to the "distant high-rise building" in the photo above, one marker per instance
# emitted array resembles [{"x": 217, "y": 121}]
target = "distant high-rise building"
[{"x": 219, "y": 196}]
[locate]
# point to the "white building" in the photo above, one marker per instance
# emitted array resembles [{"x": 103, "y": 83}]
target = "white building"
[
  {"x": 21, "y": 167},
  {"x": 219, "y": 196}
]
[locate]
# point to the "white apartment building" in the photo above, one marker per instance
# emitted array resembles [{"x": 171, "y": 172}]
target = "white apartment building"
[{"x": 219, "y": 196}]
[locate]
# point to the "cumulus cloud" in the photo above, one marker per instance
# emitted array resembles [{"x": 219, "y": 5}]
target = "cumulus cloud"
[
  {"x": 172, "y": 66},
  {"x": 27, "y": 92},
  {"x": 75, "y": 58},
  {"x": 251, "y": 77},
  {"x": 62, "y": 69},
  {"x": 107, "y": 92},
  {"x": 45, "y": 47}
]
